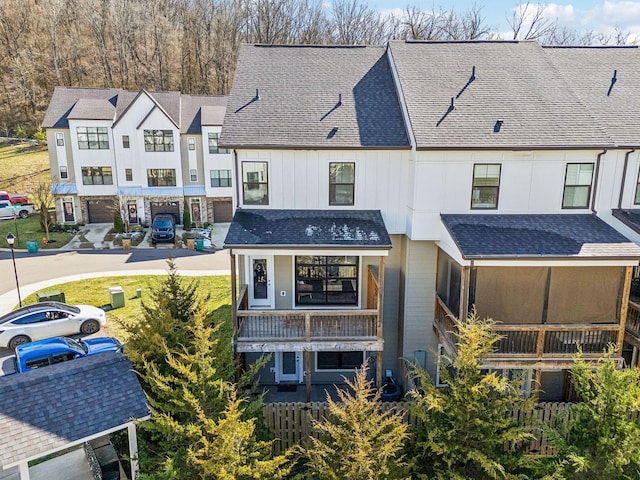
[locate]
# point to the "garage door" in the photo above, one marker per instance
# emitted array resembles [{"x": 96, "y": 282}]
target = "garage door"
[
  {"x": 222, "y": 211},
  {"x": 166, "y": 207},
  {"x": 100, "y": 211}
]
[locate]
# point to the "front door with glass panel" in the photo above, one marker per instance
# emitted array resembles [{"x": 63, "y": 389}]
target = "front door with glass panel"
[
  {"x": 260, "y": 280},
  {"x": 288, "y": 367}
]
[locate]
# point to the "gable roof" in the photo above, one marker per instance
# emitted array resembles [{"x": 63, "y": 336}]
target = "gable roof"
[
  {"x": 313, "y": 97},
  {"x": 111, "y": 104},
  {"x": 303, "y": 228},
  {"x": 515, "y": 83},
  {"x": 198, "y": 110},
  {"x": 45, "y": 409},
  {"x": 582, "y": 236}
]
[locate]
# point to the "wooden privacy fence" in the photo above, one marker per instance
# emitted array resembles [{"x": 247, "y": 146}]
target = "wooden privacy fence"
[{"x": 290, "y": 423}]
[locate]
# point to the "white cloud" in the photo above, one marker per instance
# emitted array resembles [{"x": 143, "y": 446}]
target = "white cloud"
[{"x": 622, "y": 14}]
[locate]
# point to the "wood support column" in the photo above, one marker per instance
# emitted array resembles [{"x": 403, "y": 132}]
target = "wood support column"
[
  {"x": 463, "y": 310},
  {"x": 133, "y": 449},
  {"x": 535, "y": 391},
  {"x": 307, "y": 374},
  {"x": 380, "y": 321}
]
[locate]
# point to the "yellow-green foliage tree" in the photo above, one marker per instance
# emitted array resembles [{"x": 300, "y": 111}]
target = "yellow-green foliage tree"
[
  {"x": 467, "y": 427},
  {"x": 357, "y": 441}
]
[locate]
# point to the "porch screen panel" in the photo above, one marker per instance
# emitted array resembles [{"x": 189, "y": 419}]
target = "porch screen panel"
[
  {"x": 511, "y": 295},
  {"x": 584, "y": 294}
]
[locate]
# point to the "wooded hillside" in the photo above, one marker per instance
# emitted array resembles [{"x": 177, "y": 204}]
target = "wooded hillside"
[{"x": 192, "y": 45}]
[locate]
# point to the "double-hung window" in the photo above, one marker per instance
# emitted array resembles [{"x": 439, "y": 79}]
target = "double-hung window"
[
  {"x": 255, "y": 183},
  {"x": 486, "y": 186},
  {"x": 158, "y": 140},
  {"x": 220, "y": 178},
  {"x": 342, "y": 178},
  {"x": 577, "y": 185},
  {"x": 93, "y": 138},
  {"x": 60, "y": 139},
  {"x": 214, "y": 137},
  {"x": 64, "y": 172}
]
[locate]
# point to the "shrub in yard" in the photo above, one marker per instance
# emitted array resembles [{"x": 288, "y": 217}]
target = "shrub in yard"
[
  {"x": 186, "y": 217},
  {"x": 118, "y": 223}
]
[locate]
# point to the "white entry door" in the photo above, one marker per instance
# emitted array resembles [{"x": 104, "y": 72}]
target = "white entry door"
[
  {"x": 260, "y": 280},
  {"x": 289, "y": 367}
]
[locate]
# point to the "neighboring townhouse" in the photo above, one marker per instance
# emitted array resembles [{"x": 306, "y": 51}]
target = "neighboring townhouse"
[
  {"x": 140, "y": 152},
  {"x": 505, "y": 176}
]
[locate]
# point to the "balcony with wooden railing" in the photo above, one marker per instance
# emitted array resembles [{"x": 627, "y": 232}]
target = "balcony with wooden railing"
[
  {"x": 632, "y": 327},
  {"x": 535, "y": 345},
  {"x": 310, "y": 329}
]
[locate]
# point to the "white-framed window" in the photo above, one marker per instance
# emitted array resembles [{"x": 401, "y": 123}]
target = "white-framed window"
[
  {"x": 326, "y": 280},
  {"x": 128, "y": 174},
  {"x": 64, "y": 173},
  {"x": 339, "y": 361},
  {"x": 486, "y": 186},
  {"x": 577, "y": 185},
  {"x": 191, "y": 142},
  {"x": 125, "y": 141},
  {"x": 220, "y": 178},
  {"x": 193, "y": 174},
  {"x": 60, "y": 139}
]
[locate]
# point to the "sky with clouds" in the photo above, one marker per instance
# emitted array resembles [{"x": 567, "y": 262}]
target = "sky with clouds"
[{"x": 597, "y": 15}]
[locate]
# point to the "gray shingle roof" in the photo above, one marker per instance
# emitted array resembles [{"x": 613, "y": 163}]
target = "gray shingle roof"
[
  {"x": 306, "y": 91},
  {"x": 197, "y": 111},
  {"x": 526, "y": 236},
  {"x": 317, "y": 228},
  {"x": 47, "y": 408},
  {"x": 94, "y": 104},
  {"x": 515, "y": 82},
  {"x": 589, "y": 72}
]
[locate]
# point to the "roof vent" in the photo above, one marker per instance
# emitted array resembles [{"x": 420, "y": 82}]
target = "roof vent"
[
  {"x": 614, "y": 79},
  {"x": 333, "y": 132},
  {"x": 498, "y": 125},
  {"x": 257, "y": 94}
]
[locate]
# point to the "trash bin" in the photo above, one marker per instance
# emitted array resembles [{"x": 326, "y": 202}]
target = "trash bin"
[
  {"x": 199, "y": 244},
  {"x": 117, "y": 297},
  {"x": 126, "y": 244},
  {"x": 191, "y": 243},
  {"x": 51, "y": 296},
  {"x": 32, "y": 246}
]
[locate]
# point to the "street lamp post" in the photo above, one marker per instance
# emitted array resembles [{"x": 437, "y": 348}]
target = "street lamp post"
[{"x": 10, "y": 240}]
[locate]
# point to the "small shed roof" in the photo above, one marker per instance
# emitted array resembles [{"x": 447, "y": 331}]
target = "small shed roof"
[
  {"x": 583, "y": 236},
  {"x": 308, "y": 228},
  {"x": 45, "y": 409}
]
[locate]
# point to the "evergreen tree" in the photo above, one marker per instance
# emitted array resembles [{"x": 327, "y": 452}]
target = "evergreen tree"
[
  {"x": 358, "y": 441},
  {"x": 467, "y": 427},
  {"x": 599, "y": 438},
  {"x": 118, "y": 223},
  {"x": 186, "y": 217}
]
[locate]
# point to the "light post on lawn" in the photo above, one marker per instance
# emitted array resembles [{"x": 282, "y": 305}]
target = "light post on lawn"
[
  {"x": 10, "y": 240},
  {"x": 15, "y": 223}
]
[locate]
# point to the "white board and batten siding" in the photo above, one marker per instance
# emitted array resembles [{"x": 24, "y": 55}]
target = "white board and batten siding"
[
  {"x": 530, "y": 182},
  {"x": 299, "y": 179},
  {"x": 216, "y": 161}
]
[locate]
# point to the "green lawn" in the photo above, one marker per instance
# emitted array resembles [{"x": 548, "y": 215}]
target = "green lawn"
[
  {"x": 22, "y": 167},
  {"x": 30, "y": 229},
  {"x": 96, "y": 292}
]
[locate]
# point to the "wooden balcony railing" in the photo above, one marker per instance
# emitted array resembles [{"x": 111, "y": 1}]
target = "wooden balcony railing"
[
  {"x": 282, "y": 326},
  {"x": 537, "y": 341},
  {"x": 633, "y": 320}
]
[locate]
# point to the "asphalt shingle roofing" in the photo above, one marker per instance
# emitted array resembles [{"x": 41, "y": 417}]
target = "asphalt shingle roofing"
[
  {"x": 517, "y": 83},
  {"x": 300, "y": 228},
  {"x": 48, "y": 408},
  {"x": 526, "y": 236},
  {"x": 110, "y": 104},
  {"x": 296, "y": 96}
]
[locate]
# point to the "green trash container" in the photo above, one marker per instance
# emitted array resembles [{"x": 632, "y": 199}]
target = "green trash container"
[
  {"x": 51, "y": 296},
  {"x": 32, "y": 246},
  {"x": 117, "y": 297},
  {"x": 199, "y": 244}
]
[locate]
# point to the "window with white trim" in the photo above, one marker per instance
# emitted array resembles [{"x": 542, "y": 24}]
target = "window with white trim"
[
  {"x": 220, "y": 178},
  {"x": 342, "y": 179},
  {"x": 93, "y": 138},
  {"x": 326, "y": 280},
  {"x": 486, "y": 186},
  {"x": 214, "y": 138},
  {"x": 193, "y": 174},
  {"x": 158, "y": 140},
  {"x": 191, "y": 142},
  {"x": 64, "y": 172},
  {"x": 255, "y": 183},
  {"x": 60, "y": 139},
  {"x": 125, "y": 141}
]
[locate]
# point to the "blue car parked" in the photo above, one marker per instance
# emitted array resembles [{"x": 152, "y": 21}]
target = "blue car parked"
[{"x": 61, "y": 349}]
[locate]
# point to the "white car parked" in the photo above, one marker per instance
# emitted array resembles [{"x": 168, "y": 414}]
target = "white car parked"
[{"x": 48, "y": 319}]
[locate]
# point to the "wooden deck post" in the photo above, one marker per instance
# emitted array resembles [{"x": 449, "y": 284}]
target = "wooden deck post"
[
  {"x": 463, "y": 308},
  {"x": 624, "y": 306},
  {"x": 537, "y": 376},
  {"x": 307, "y": 374},
  {"x": 234, "y": 300}
]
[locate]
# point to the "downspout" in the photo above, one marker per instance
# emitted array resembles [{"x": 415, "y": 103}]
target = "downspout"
[
  {"x": 595, "y": 182},
  {"x": 624, "y": 176},
  {"x": 235, "y": 167}
]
